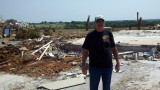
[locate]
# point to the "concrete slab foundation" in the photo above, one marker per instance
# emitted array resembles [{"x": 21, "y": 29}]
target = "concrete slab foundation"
[{"x": 62, "y": 84}]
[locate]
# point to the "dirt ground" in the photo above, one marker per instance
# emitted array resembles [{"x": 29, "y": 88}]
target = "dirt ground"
[{"x": 142, "y": 75}]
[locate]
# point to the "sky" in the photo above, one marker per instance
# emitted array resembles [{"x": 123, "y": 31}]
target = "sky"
[{"x": 36, "y": 11}]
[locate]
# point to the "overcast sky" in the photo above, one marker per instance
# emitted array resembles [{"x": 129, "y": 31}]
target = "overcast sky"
[{"x": 78, "y": 10}]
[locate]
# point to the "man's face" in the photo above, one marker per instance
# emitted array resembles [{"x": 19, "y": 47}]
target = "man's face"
[{"x": 99, "y": 24}]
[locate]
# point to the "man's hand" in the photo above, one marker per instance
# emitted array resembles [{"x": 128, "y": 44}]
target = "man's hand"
[
  {"x": 115, "y": 53},
  {"x": 117, "y": 67},
  {"x": 84, "y": 70},
  {"x": 84, "y": 57}
]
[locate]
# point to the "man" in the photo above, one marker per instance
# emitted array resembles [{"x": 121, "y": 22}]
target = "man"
[{"x": 100, "y": 45}]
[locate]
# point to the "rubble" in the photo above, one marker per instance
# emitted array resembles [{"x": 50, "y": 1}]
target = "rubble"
[
  {"x": 22, "y": 59},
  {"x": 50, "y": 57}
]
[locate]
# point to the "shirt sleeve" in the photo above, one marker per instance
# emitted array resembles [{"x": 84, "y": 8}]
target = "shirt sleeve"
[
  {"x": 86, "y": 43},
  {"x": 112, "y": 40}
]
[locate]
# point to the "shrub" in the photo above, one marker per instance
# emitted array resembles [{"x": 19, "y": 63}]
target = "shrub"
[
  {"x": 26, "y": 34},
  {"x": 48, "y": 32}
]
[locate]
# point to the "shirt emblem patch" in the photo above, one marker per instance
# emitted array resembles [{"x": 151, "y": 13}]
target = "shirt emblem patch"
[{"x": 105, "y": 38}]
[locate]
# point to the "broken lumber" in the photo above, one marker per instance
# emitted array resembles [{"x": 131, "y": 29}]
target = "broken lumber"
[
  {"x": 41, "y": 47},
  {"x": 44, "y": 52}
]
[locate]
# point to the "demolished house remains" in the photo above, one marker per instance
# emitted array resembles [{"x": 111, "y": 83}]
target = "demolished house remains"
[
  {"x": 10, "y": 27},
  {"x": 49, "y": 57},
  {"x": 21, "y": 58}
]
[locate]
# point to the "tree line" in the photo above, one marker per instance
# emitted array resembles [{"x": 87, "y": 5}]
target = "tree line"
[{"x": 82, "y": 24}]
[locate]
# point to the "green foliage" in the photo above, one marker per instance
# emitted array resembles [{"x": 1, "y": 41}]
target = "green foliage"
[
  {"x": 6, "y": 39},
  {"x": 82, "y": 24},
  {"x": 25, "y": 34},
  {"x": 48, "y": 25},
  {"x": 75, "y": 25},
  {"x": 48, "y": 32}
]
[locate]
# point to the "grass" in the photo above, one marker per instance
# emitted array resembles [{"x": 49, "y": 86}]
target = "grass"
[
  {"x": 6, "y": 39},
  {"x": 74, "y": 33},
  {"x": 49, "y": 25}
]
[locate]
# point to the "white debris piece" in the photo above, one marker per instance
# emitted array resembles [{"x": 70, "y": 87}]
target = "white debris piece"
[
  {"x": 44, "y": 46},
  {"x": 51, "y": 55}
]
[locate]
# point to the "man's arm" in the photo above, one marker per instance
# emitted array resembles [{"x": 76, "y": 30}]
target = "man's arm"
[
  {"x": 115, "y": 53},
  {"x": 84, "y": 57}
]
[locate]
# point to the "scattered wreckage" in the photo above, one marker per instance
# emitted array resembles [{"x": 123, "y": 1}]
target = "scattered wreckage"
[
  {"x": 153, "y": 53},
  {"x": 48, "y": 57},
  {"x": 37, "y": 57}
]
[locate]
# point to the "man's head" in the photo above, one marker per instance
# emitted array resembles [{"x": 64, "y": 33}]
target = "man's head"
[{"x": 99, "y": 23}]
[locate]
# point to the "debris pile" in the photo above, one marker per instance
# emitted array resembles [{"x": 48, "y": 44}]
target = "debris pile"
[{"x": 36, "y": 58}]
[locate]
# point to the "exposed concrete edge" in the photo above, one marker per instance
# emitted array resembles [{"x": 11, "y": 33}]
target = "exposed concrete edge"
[{"x": 62, "y": 84}]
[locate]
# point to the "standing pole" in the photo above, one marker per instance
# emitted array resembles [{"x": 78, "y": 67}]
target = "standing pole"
[
  {"x": 87, "y": 23},
  {"x": 139, "y": 28},
  {"x": 137, "y": 21}
]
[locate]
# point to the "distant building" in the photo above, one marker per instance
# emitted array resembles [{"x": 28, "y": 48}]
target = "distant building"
[{"x": 10, "y": 27}]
